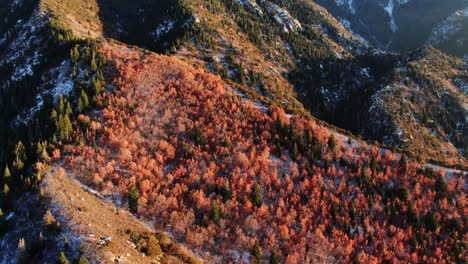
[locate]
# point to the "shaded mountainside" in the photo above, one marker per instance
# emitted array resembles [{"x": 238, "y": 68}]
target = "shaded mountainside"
[
  {"x": 401, "y": 25},
  {"x": 452, "y": 34}
]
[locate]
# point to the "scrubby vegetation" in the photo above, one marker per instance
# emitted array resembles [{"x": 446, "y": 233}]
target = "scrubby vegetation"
[{"x": 221, "y": 175}]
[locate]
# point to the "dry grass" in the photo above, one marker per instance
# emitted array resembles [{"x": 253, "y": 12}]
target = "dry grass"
[
  {"x": 80, "y": 16},
  {"x": 92, "y": 218}
]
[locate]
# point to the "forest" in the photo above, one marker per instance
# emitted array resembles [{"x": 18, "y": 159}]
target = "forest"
[{"x": 230, "y": 178}]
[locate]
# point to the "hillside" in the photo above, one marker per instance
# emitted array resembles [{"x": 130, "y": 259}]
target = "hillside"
[
  {"x": 248, "y": 141},
  {"x": 293, "y": 54},
  {"x": 221, "y": 174}
]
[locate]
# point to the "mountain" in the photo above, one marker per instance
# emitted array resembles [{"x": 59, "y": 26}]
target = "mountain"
[
  {"x": 403, "y": 25},
  {"x": 224, "y": 131},
  {"x": 451, "y": 34}
]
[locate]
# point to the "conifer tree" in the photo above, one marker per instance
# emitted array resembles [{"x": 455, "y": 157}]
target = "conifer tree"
[
  {"x": 256, "y": 195},
  {"x": 256, "y": 253},
  {"x": 133, "y": 197},
  {"x": 331, "y": 142},
  {"x": 226, "y": 192},
  {"x": 403, "y": 163},
  {"x": 63, "y": 259},
  {"x": 273, "y": 257},
  {"x": 216, "y": 213}
]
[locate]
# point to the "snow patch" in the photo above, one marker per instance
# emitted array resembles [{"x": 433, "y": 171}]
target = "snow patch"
[
  {"x": 348, "y": 3},
  {"x": 164, "y": 28},
  {"x": 389, "y": 9},
  {"x": 284, "y": 18},
  {"x": 447, "y": 28}
]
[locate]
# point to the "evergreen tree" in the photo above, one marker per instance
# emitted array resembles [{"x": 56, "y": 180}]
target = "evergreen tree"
[
  {"x": 6, "y": 190},
  {"x": 256, "y": 195},
  {"x": 295, "y": 153},
  {"x": 83, "y": 102},
  {"x": 83, "y": 260},
  {"x": 20, "y": 157},
  {"x": 133, "y": 197},
  {"x": 331, "y": 142},
  {"x": 256, "y": 253},
  {"x": 226, "y": 192},
  {"x": 74, "y": 54},
  {"x": 6, "y": 174},
  {"x": 102, "y": 59},
  {"x": 64, "y": 127},
  {"x": 93, "y": 65},
  {"x": 373, "y": 164},
  {"x": 216, "y": 213},
  {"x": 63, "y": 259},
  {"x": 273, "y": 257},
  {"x": 403, "y": 162},
  {"x": 97, "y": 87}
]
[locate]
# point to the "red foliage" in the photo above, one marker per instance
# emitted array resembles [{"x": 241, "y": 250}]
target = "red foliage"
[{"x": 180, "y": 134}]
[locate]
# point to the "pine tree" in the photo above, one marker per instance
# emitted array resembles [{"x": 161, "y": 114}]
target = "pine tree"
[
  {"x": 83, "y": 102},
  {"x": 102, "y": 59},
  {"x": 7, "y": 173},
  {"x": 273, "y": 257},
  {"x": 256, "y": 253},
  {"x": 97, "y": 87},
  {"x": 63, "y": 259},
  {"x": 256, "y": 195},
  {"x": 74, "y": 54},
  {"x": 373, "y": 164},
  {"x": 6, "y": 190},
  {"x": 403, "y": 163},
  {"x": 85, "y": 99},
  {"x": 133, "y": 197},
  {"x": 94, "y": 66},
  {"x": 226, "y": 192},
  {"x": 64, "y": 127},
  {"x": 295, "y": 153},
  {"x": 215, "y": 213},
  {"x": 331, "y": 142},
  {"x": 20, "y": 157},
  {"x": 83, "y": 260}
]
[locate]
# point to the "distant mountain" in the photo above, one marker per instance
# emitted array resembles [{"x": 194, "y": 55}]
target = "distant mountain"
[
  {"x": 401, "y": 25},
  {"x": 452, "y": 34}
]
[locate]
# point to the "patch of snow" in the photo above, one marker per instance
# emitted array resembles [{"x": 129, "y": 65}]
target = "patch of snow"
[
  {"x": 348, "y": 3},
  {"x": 164, "y": 28},
  {"x": 365, "y": 72},
  {"x": 453, "y": 24},
  {"x": 10, "y": 216},
  {"x": 389, "y": 9},
  {"x": 252, "y": 4},
  {"x": 402, "y": 2},
  {"x": 347, "y": 25},
  {"x": 284, "y": 18}
]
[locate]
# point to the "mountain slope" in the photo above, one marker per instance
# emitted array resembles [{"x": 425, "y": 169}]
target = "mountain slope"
[
  {"x": 398, "y": 25},
  {"x": 215, "y": 143},
  {"x": 290, "y": 53},
  {"x": 220, "y": 173},
  {"x": 451, "y": 34}
]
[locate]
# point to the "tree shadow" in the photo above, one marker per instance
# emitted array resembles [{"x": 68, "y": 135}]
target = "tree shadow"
[{"x": 135, "y": 22}]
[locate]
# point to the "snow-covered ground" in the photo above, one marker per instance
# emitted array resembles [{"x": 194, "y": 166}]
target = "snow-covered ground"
[
  {"x": 62, "y": 85},
  {"x": 164, "y": 28},
  {"x": 449, "y": 27}
]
